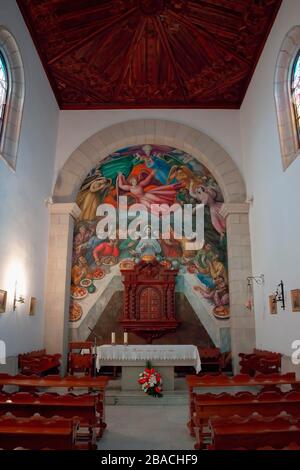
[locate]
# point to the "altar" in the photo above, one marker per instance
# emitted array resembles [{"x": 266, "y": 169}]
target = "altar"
[{"x": 133, "y": 359}]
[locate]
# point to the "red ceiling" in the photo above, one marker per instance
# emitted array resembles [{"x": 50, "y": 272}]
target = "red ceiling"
[{"x": 101, "y": 54}]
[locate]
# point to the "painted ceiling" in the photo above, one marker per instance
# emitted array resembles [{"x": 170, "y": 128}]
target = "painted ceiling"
[{"x": 106, "y": 54}]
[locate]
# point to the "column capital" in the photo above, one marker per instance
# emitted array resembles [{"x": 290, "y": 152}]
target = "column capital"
[
  {"x": 234, "y": 208},
  {"x": 71, "y": 209}
]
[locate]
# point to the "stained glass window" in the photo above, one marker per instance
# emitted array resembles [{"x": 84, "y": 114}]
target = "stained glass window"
[
  {"x": 296, "y": 92},
  {"x": 3, "y": 90}
]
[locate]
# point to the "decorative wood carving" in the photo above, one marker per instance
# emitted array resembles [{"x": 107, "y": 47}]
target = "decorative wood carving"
[
  {"x": 149, "y": 306},
  {"x": 225, "y": 405},
  {"x": 263, "y": 362},
  {"x": 56, "y": 381},
  {"x": 87, "y": 407},
  {"x": 38, "y": 362},
  {"x": 149, "y": 53},
  {"x": 267, "y": 382}
]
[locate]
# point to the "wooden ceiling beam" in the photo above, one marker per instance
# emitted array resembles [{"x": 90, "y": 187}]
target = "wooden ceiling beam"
[
  {"x": 129, "y": 56},
  {"x": 90, "y": 36},
  {"x": 85, "y": 11},
  {"x": 168, "y": 49},
  {"x": 97, "y": 56},
  {"x": 210, "y": 37}
]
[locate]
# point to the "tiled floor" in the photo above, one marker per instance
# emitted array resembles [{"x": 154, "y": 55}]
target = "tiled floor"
[{"x": 146, "y": 428}]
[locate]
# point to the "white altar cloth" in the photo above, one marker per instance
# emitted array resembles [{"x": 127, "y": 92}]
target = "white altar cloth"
[{"x": 180, "y": 354}]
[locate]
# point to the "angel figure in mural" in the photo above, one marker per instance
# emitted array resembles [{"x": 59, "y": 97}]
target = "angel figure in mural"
[
  {"x": 208, "y": 196},
  {"x": 146, "y": 194},
  {"x": 91, "y": 195}
]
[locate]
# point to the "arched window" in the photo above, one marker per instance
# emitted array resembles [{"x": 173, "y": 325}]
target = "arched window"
[
  {"x": 295, "y": 92},
  {"x": 4, "y": 89},
  {"x": 12, "y": 92},
  {"x": 287, "y": 96}
]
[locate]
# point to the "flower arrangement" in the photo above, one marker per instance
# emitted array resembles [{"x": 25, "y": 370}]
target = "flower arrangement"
[{"x": 151, "y": 382}]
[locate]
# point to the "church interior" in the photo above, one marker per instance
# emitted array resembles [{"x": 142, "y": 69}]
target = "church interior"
[{"x": 149, "y": 281}]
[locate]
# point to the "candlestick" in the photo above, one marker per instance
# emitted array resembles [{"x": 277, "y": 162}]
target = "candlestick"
[
  {"x": 125, "y": 337},
  {"x": 113, "y": 338}
]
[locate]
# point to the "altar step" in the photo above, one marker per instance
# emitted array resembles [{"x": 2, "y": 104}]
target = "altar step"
[
  {"x": 115, "y": 396},
  {"x": 119, "y": 397}
]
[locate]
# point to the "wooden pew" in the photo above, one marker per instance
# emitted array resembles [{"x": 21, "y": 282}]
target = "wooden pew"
[
  {"x": 267, "y": 404},
  {"x": 38, "y": 433},
  {"x": 79, "y": 361},
  {"x": 211, "y": 357},
  {"x": 88, "y": 408},
  {"x": 290, "y": 446},
  {"x": 254, "y": 432},
  {"x": 266, "y": 382},
  {"x": 23, "y": 448},
  {"x": 38, "y": 363},
  {"x": 36, "y": 382},
  {"x": 260, "y": 361}
]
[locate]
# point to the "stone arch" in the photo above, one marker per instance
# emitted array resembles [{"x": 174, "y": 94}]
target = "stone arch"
[
  {"x": 13, "y": 116},
  {"x": 285, "y": 114},
  {"x": 151, "y": 131},
  {"x": 64, "y": 211}
]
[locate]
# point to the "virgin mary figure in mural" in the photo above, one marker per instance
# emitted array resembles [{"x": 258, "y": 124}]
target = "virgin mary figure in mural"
[{"x": 146, "y": 195}]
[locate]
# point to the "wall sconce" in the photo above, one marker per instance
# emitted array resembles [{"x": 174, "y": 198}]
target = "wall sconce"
[
  {"x": 279, "y": 295},
  {"x": 17, "y": 299}
]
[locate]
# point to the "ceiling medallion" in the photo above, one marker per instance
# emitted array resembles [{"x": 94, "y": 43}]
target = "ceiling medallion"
[{"x": 152, "y": 7}]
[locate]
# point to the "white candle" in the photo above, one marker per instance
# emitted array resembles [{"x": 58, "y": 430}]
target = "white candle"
[
  {"x": 113, "y": 338},
  {"x": 125, "y": 337}
]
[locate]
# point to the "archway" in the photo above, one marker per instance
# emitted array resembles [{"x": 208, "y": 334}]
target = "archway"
[
  {"x": 160, "y": 132},
  {"x": 64, "y": 211}
]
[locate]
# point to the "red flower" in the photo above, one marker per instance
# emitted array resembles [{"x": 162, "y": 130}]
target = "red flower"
[{"x": 151, "y": 382}]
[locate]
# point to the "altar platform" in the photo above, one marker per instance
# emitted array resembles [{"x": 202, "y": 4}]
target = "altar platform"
[
  {"x": 133, "y": 359},
  {"x": 115, "y": 396}
]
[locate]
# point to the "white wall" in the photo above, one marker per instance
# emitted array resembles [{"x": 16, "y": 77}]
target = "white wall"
[
  {"x": 275, "y": 215},
  {"x": 76, "y": 126},
  {"x": 250, "y": 136},
  {"x": 23, "y": 215}
]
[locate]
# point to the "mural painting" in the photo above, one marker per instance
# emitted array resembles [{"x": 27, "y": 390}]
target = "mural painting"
[{"x": 150, "y": 174}]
